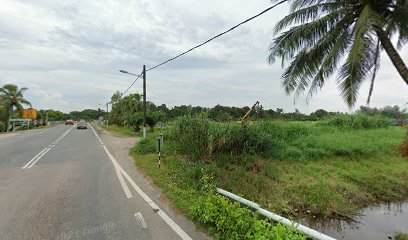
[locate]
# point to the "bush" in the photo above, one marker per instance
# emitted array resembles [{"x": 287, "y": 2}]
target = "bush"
[
  {"x": 228, "y": 220},
  {"x": 147, "y": 145},
  {"x": 358, "y": 121},
  {"x": 236, "y": 138},
  {"x": 190, "y": 135},
  {"x": 198, "y": 138},
  {"x": 2, "y": 127}
]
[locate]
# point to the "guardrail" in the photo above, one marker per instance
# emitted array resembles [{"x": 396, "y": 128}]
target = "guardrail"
[{"x": 303, "y": 229}]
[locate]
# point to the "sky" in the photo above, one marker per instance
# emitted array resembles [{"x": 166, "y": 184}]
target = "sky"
[{"x": 68, "y": 54}]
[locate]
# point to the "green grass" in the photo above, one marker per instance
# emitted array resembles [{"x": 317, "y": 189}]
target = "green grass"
[
  {"x": 295, "y": 169},
  {"x": 183, "y": 185},
  {"x": 401, "y": 236},
  {"x": 120, "y": 131},
  {"x": 335, "y": 187},
  {"x": 198, "y": 138}
]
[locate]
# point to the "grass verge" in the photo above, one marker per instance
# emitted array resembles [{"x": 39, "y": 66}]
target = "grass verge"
[
  {"x": 120, "y": 131},
  {"x": 188, "y": 190},
  {"x": 401, "y": 236},
  {"x": 340, "y": 170}
]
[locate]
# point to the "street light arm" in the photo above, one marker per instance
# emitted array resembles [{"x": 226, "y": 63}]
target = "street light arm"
[{"x": 126, "y": 72}]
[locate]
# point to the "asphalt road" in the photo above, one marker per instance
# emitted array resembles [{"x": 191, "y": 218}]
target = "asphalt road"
[{"x": 63, "y": 183}]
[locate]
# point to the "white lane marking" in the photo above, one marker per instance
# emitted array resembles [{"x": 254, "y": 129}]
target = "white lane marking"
[
  {"x": 118, "y": 174},
  {"x": 120, "y": 177},
  {"x": 156, "y": 208},
  {"x": 140, "y": 220},
  {"x": 35, "y": 157},
  {"x": 39, "y": 157},
  {"x": 123, "y": 183}
]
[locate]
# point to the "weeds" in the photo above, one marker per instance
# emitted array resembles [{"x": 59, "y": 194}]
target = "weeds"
[
  {"x": 201, "y": 139},
  {"x": 358, "y": 121},
  {"x": 292, "y": 168},
  {"x": 227, "y": 220}
]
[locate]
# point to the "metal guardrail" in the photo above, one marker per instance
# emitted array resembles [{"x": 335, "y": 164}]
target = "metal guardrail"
[{"x": 303, "y": 229}]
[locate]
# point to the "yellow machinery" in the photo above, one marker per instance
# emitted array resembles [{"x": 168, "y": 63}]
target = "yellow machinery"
[{"x": 254, "y": 108}]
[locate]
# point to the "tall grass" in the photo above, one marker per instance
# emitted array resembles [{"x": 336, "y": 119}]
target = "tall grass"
[
  {"x": 297, "y": 168},
  {"x": 350, "y": 136},
  {"x": 357, "y": 121}
]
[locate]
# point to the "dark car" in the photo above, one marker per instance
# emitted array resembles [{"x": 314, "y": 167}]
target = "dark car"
[
  {"x": 82, "y": 124},
  {"x": 69, "y": 122}
]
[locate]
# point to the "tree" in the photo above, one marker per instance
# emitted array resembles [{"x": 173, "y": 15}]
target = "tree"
[
  {"x": 320, "y": 113},
  {"x": 11, "y": 96},
  {"x": 54, "y": 115},
  {"x": 330, "y": 33}
]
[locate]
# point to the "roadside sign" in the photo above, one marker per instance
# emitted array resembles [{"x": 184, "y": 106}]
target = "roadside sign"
[{"x": 30, "y": 113}]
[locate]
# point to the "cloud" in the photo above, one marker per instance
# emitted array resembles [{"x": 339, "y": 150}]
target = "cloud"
[{"x": 69, "y": 53}]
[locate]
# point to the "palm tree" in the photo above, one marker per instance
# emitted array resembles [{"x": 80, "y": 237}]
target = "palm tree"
[
  {"x": 11, "y": 96},
  {"x": 328, "y": 33}
]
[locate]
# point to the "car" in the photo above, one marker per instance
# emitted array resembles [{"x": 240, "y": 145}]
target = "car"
[
  {"x": 69, "y": 122},
  {"x": 82, "y": 124}
]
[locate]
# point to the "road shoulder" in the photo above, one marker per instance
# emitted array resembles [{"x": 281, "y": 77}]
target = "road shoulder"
[{"x": 120, "y": 147}]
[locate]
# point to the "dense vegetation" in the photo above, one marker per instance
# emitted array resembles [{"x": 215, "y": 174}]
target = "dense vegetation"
[
  {"x": 128, "y": 111},
  {"x": 327, "y": 169},
  {"x": 199, "y": 138}
]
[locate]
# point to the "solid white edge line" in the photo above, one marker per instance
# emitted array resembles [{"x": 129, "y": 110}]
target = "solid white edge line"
[
  {"x": 38, "y": 154},
  {"x": 173, "y": 225},
  {"x": 120, "y": 177},
  {"x": 161, "y": 213},
  {"x": 32, "y": 164}
]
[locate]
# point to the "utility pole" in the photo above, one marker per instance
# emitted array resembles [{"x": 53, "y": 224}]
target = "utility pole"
[
  {"x": 107, "y": 114},
  {"x": 144, "y": 101}
]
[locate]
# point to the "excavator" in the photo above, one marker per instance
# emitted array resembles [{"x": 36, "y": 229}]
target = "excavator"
[{"x": 255, "y": 107}]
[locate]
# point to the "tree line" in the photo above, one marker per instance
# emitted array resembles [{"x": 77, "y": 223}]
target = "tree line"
[{"x": 128, "y": 111}]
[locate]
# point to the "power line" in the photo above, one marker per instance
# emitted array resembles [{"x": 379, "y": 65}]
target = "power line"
[
  {"x": 203, "y": 43},
  {"x": 219, "y": 35},
  {"x": 131, "y": 84}
]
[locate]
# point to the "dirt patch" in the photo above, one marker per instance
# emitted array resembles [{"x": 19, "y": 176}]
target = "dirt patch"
[
  {"x": 404, "y": 149},
  {"x": 5, "y": 135}
]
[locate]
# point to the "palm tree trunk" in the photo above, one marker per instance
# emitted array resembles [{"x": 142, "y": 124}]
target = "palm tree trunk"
[
  {"x": 393, "y": 54},
  {"x": 9, "y": 118}
]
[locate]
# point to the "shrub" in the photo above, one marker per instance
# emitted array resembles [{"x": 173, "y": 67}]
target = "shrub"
[
  {"x": 358, "y": 121},
  {"x": 228, "y": 220},
  {"x": 2, "y": 127},
  {"x": 147, "y": 145},
  {"x": 190, "y": 135},
  {"x": 198, "y": 138}
]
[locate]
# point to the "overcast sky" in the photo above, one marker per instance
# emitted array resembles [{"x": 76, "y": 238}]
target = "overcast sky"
[{"x": 68, "y": 54}]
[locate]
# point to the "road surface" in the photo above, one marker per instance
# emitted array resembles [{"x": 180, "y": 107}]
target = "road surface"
[{"x": 63, "y": 183}]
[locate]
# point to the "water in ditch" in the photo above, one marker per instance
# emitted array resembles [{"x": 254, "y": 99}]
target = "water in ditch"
[{"x": 380, "y": 222}]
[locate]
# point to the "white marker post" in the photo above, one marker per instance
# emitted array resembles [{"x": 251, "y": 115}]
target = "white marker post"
[{"x": 158, "y": 147}]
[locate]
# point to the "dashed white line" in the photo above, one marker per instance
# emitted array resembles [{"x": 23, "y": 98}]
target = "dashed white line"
[
  {"x": 140, "y": 220},
  {"x": 149, "y": 201},
  {"x": 39, "y": 155}
]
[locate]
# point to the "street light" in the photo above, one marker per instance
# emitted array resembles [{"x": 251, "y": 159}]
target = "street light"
[
  {"x": 126, "y": 72},
  {"x": 144, "y": 95}
]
